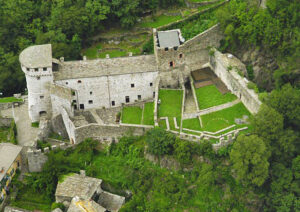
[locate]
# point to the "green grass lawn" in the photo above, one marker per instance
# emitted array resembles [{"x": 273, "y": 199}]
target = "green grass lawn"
[
  {"x": 162, "y": 124},
  {"x": 148, "y": 113},
  {"x": 159, "y": 21},
  {"x": 224, "y": 118},
  {"x": 192, "y": 124},
  {"x": 28, "y": 199},
  {"x": 4, "y": 131},
  {"x": 209, "y": 96},
  {"x": 10, "y": 99},
  {"x": 132, "y": 115},
  {"x": 170, "y": 106}
]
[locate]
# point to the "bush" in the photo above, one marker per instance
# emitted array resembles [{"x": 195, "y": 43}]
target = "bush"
[
  {"x": 252, "y": 85},
  {"x": 250, "y": 72},
  {"x": 13, "y": 133},
  {"x": 160, "y": 142},
  {"x": 35, "y": 124},
  {"x": 183, "y": 151},
  {"x": 148, "y": 47},
  {"x": 57, "y": 205}
]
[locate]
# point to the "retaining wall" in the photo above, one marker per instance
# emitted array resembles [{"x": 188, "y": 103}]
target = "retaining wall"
[{"x": 5, "y": 122}]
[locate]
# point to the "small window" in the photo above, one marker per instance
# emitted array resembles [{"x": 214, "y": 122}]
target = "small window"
[
  {"x": 81, "y": 106},
  {"x": 27, "y": 69},
  {"x": 132, "y": 85},
  {"x": 41, "y": 97},
  {"x": 73, "y": 93},
  {"x": 36, "y": 69},
  {"x": 74, "y": 101},
  {"x": 127, "y": 100},
  {"x": 75, "y": 107},
  {"x": 166, "y": 49},
  {"x": 44, "y": 69},
  {"x": 171, "y": 64},
  {"x": 175, "y": 48},
  {"x": 90, "y": 101},
  {"x": 180, "y": 55},
  {"x": 151, "y": 84},
  {"x": 79, "y": 81},
  {"x": 113, "y": 103},
  {"x": 91, "y": 92},
  {"x": 67, "y": 83},
  {"x": 38, "y": 78},
  {"x": 153, "y": 94},
  {"x": 139, "y": 97}
]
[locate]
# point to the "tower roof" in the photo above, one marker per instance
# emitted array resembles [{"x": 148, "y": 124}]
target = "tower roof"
[
  {"x": 168, "y": 38},
  {"x": 37, "y": 56}
]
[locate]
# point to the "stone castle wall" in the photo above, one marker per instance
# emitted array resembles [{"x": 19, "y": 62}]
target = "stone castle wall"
[
  {"x": 221, "y": 65},
  {"x": 189, "y": 56}
]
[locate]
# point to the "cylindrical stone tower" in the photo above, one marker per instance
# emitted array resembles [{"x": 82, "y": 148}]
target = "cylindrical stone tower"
[{"x": 36, "y": 63}]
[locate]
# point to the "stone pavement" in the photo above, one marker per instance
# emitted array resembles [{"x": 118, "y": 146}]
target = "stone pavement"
[
  {"x": 26, "y": 134},
  {"x": 190, "y": 105}
]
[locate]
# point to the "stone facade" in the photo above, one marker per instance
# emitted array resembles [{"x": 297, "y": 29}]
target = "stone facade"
[
  {"x": 36, "y": 160},
  {"x": 5, "y": 122},
  {"x": 224, "y": 66}
]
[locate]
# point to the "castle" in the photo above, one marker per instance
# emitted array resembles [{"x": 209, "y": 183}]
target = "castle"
[{"x": 58, "y": 87}]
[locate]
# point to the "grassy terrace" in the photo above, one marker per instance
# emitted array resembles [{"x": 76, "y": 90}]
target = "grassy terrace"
[
  {"x": 210, "y": 96},
  {"x": 170, "y": 106},
  {"x": 148, "y": 113},
  {"x": 159, "y": 21},
  {"x": 132, "y": 115},
  {"x": 10, "y": 99},
  {"x": 216, "y": 121}
]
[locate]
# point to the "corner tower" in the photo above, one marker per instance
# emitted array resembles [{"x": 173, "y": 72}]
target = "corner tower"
[{"x": 36, "y": 63}]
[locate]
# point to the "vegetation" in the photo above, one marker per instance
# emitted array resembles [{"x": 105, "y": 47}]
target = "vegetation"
[
  {"x": 4, "y": 131},
  {"x": 10, "y": 99},
  {"x": 193, "y": 124},
  {"x": 221, "y": 119},
  {"x": 159, "y": 21},
  {"x": 35, "y": 124},
  {"x": 132, "y": 115},
  {"x": 8, "y": 134},
  {"x": 148, "y": 113},
  {"x": 209, "y": 96},
  {"x": 274, "y": 29}
]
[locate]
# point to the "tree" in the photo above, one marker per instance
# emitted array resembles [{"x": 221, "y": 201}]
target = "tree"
[
  {"x": 160, "y": 142},
  {"x": 267, "y": 123},
  {"x": 249, "y": 157},
  {"x": 183, "y": 151}
]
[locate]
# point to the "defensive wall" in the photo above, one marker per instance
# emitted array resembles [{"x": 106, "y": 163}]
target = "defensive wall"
[{"x": 225, "y": 67}]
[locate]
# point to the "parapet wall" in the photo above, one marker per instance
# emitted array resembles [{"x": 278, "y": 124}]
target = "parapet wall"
[{"x": 224, "y": 67}]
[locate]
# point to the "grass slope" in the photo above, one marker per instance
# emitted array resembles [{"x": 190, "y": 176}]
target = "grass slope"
[
  {"x": 132, "y": 115},
  {"x": 210, "y": 96},
  {"x": 9, "y": 99},
  {"x": 159, "y": 21},
  {"x": 4, "y": 131}
]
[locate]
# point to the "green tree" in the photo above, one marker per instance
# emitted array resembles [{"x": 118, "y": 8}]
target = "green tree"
[
  {"x": 160, "y": 142},
  {"x": 249, "y": 157}
]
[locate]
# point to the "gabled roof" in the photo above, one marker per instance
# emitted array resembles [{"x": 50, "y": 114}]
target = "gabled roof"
[
  {"x": 8, "y": 154},
  {"x": 37, "y": 56}
]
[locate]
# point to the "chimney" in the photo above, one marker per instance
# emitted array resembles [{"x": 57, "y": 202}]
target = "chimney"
[
  {"x": 62, "y": 59},
  {"x": 84, "y": 58},
  {"x": 130, "y": 54},
  {"x": 107, "y": 56}
]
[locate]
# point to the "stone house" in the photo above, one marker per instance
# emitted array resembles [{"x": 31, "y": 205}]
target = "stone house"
[{"x": 10, "y": 161}]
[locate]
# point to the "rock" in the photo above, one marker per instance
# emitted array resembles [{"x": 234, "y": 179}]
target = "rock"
[
  {"x": 246, "y": 57},
  {"x": 254, "y": 55},
  {"x": 169, "y": 163}
]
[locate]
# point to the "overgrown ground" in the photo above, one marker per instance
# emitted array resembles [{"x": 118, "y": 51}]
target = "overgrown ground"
[
  {"x": 122, "y": 166},
  {"x": 170, "y": 105},
  {"x": 4, "y": 132},
  {"x": 209, "y": 96}
]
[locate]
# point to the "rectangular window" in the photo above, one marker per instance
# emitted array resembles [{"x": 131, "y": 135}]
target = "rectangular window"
[
  {"x": 90, "y": 101},
  {"x": 175, "y": 48},
  {"x": 151, "y": 84},
  {"x": 91, "y": 92},
  {"x": 28, "y": 69},
  {"x": 44, "y": 69},
  {"x": 79, "y": 81},
  {"x": 166, "y": 49},
  {"x": 113, "y": 103},
  {"x": 38, "y": 78},
  {"x": 153, "y": 94},
  {"x": 36, "y": 69},
  {"x": 73, "y": 93},
  {"x": 41, "y": 97},
  {"x": 75, "y": 107},
  {"x": 74, "y": 101},
  {"x": 180, "y": 55},
  {"x": 81, "y": 106},
  {"x": 132, "y": 85},
  {"x": 139, "y": 97},
  {"x": 127, "y": 100},
  {"x": 171, "y": 64}
]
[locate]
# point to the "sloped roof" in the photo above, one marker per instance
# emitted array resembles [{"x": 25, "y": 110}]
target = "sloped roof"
[
  {"x": 37, "y": 56},
  {"x": 8, "y": 154},
  {"x": 105, "y": 67}
]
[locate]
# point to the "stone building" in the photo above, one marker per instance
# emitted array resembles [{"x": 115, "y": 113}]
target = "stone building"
[{"x": 10, "y": 161}]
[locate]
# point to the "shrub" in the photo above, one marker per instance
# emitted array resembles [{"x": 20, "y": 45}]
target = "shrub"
[
  {"x": 160, "y": 142},
  {"x": 183, "y": 151},
  {"x": 250, "y": 72},
  {"x": 35, "y": 124},
  {"x": 252, "y": 85},
  {"x": 13, "y": 133},
  {"x": 57, "y": 205}
]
